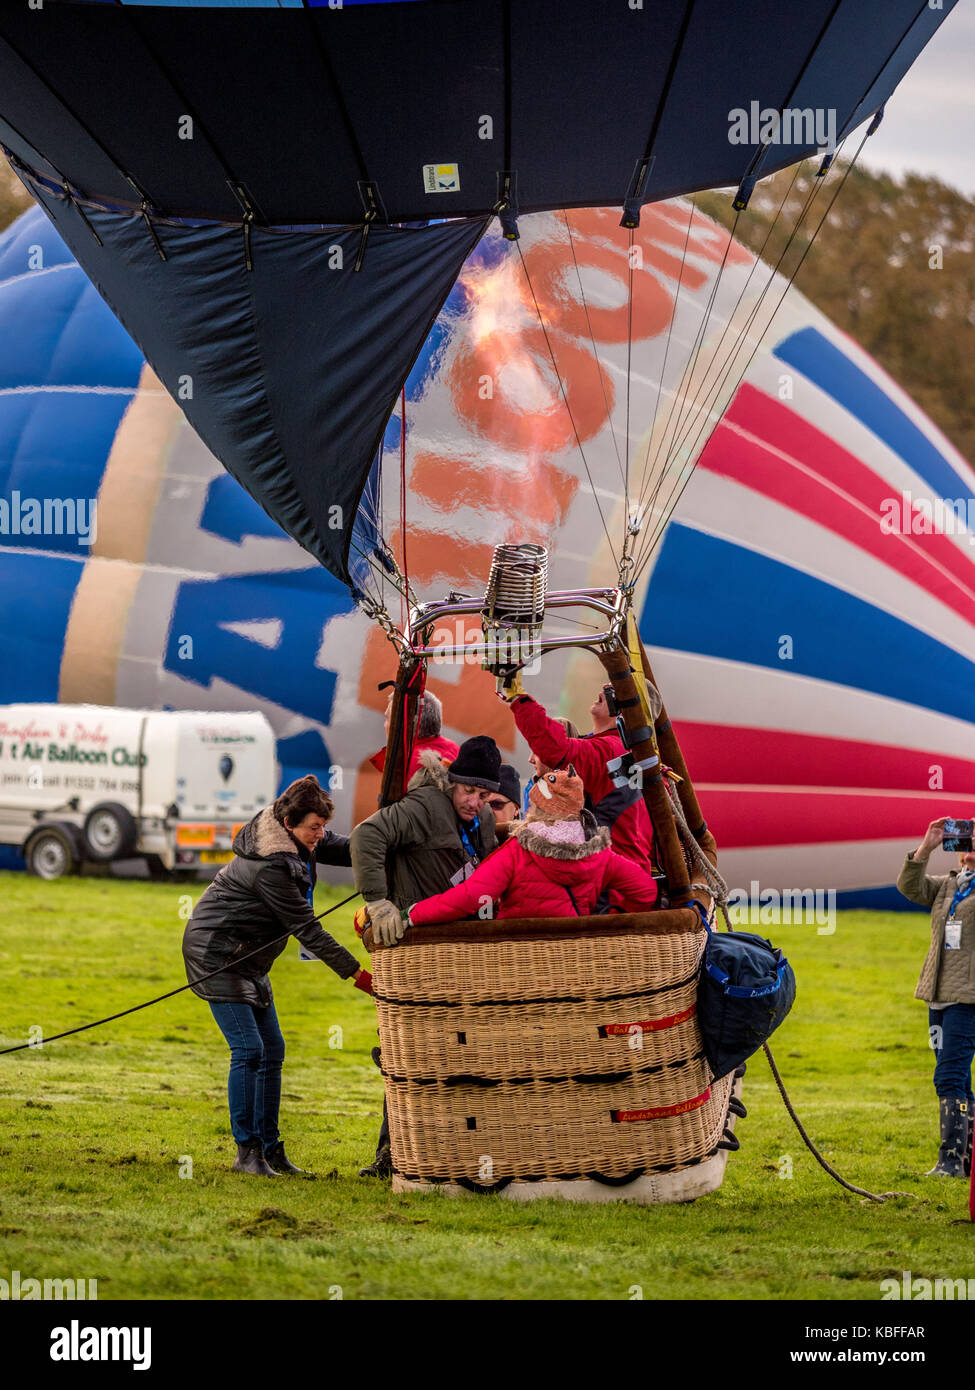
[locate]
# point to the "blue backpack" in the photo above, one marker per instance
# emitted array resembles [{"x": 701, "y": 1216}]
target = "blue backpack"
[{"x": 745, "y": 990}]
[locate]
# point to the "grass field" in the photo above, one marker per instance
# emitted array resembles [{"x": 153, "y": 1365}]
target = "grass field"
[{"x": 99, "y": 1132}]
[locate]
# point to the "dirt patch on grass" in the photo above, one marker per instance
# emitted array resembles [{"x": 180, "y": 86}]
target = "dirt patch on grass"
[{"x": 280, "y": 1225}]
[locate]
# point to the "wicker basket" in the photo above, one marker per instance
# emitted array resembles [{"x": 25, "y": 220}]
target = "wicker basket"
[{"x": 551, "y": 1055}]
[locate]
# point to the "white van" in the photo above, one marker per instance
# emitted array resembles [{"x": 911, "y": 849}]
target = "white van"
[{"x": 89, "y": 783}]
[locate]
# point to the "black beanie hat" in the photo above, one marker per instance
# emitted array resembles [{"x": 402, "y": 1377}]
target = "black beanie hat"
[
  {"x": 477, "y": 764},
  {"x": 510, "y": 784}
]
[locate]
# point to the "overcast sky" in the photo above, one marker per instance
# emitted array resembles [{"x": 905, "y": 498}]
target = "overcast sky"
[{"x": 929, "y": 124}]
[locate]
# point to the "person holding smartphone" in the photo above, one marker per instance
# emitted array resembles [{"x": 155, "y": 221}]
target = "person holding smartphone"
[{"x": 947, "y": 985}]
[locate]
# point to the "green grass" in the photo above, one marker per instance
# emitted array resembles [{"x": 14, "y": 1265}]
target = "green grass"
[{"x": 94, "y": 1129}]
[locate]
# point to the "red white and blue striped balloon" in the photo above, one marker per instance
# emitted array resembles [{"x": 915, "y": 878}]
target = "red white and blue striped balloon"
[{"x": 820, "y": 670}]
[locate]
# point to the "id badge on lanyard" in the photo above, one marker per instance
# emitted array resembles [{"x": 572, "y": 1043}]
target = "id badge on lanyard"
[
  {"x": 953, "y": 924},
  {"x": 472, "y": 860}
]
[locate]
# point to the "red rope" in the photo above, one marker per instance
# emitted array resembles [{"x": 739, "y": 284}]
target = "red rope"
[{"x": 404, "y": 601}]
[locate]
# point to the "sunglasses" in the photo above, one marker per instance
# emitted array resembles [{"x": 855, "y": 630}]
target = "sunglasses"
[{"x": 497, "y": 804}]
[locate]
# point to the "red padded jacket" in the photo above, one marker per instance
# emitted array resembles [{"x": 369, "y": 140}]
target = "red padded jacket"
[{"x": 530, "y": 876}]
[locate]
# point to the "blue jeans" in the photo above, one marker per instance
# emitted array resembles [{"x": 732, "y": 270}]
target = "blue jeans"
[
  {"x": 953, "y": 1060},
  {"x": 256, "y": 1059}
]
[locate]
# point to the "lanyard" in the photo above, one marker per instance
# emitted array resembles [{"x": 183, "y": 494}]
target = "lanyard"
[
  {"x": 960, "y": 896},
  {"x": 310, "y": 895},
  {"x": 467, "y": 842}
]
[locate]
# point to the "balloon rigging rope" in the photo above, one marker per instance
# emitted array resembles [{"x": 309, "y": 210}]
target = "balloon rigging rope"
[
  {"x": 687, "y": 376},
  {"x": 653, "y": 539},
  {"x": 757, "y": 260},
  {"x": 710, "y": 394},
  {"x": 703, "y": 393},
  {"x": 663, "y": 369},
  {"x": 651, "y": 473},
  {"x": 629, "y": 374},
  {"x": 402, "y": 507},
  {"x": 229, "y": 965},
  {"x": 565, "y": 400},
  {"x": 595, "y": 352},
  {"x": 823, "y": 1163}
]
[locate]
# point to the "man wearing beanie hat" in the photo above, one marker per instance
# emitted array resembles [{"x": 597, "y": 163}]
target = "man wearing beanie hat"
[{"x": 435, "y": 836}]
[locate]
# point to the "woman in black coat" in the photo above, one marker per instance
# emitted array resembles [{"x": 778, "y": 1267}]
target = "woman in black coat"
[{"x": 264, "y": 892}]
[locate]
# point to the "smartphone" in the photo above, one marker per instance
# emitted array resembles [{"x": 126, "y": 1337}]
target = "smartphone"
[{"x": 957, "y": 835}]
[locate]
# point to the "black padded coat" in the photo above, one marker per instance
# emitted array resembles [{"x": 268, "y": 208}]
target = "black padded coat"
[{"x": 252, "y": 900}]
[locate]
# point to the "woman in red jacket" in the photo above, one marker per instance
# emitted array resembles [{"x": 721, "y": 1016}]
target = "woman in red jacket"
[{"x": 554, "y": 864}]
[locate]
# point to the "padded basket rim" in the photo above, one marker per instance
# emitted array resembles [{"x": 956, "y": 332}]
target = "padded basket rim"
[{"x": 665, "y": 922}]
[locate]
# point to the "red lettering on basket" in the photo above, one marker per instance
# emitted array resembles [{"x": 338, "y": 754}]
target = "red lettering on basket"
[
  {"x": 647, "y": 1025},
  {"x": 660, "y": 1112}
]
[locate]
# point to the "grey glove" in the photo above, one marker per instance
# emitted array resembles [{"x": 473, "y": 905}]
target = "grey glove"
[{"x": 387, "y": 921}]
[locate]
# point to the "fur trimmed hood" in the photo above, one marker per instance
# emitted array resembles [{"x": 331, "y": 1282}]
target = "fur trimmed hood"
[
  {"x": 597, "y": 839},
  {"x": 432, "y": 773},
  {"x": 264, "y": 836}
]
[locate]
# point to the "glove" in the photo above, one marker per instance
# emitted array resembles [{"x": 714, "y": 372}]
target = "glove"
[
  {"x": 363, "y": 980},
  {"x": 387, "y": 921},
  {"x": 361, "y": 920},
  {"x": 510, "y": 687}
]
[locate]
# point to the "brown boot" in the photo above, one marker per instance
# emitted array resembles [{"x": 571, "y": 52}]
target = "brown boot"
[{"x": 250, "y": 1159}]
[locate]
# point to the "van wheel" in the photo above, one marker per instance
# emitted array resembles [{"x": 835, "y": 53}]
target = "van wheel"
[
  {"x": 50, "y": 854},
  {"x": 110, "y": 832}
]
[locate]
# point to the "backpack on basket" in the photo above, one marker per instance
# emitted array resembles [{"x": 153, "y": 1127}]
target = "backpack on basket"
[{"x": 745, "y": 990}]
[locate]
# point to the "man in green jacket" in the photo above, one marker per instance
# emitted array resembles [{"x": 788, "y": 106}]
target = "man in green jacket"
[
  {"x": 947, "y": 984},
  {"x": 434, "y": 837}
]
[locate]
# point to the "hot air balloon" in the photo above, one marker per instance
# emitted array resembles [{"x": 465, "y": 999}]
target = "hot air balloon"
[{"x": 282, "y": 298}]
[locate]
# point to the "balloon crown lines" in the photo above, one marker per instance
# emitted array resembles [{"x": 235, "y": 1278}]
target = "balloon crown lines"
[{"x": 49, "y": 516}]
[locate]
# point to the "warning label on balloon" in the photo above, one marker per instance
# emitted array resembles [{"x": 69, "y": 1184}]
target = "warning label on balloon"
[{"x": 441, "y": 178}]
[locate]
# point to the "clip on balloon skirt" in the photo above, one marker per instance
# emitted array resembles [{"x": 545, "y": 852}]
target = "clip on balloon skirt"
[
  {"x": 747, "y": 987},
  {"x": 552, "y": 1057}
]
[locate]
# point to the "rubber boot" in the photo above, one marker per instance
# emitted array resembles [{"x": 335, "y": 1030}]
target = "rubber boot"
[
  {"x": 968, "y": 1150},
  {"x": 250, "y": 1159},
  {"x": 381, "y": 1166},
  {"x": 276, "y": 1158},
  {"x": 954, "y": 1138}
]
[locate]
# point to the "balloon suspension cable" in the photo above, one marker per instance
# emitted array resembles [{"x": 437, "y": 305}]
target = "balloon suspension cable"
[
  {"x": 629, "y": 374},
  {"x": 136, "y": 1008},
  {"x": 687, "y": 375},
  {"x": 595, "y": 351},
  {"x": 565, "y": 399},
  {"x": 404, "y": 615},
  {"x": 661, "y": 377},
  {"x": 709, "y": 394},
  {"x": 651, "y": 540},
  {"x": 682, "y": 389}
]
